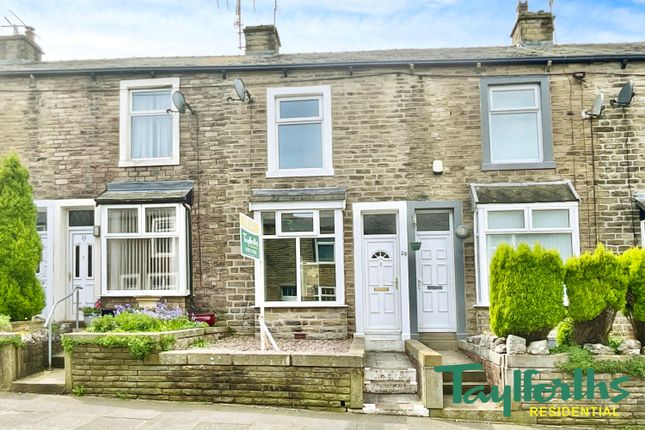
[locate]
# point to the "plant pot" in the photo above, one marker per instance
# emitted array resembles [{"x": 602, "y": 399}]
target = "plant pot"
[
  {"x": 595, "y": 330},
  {"x": 88, "y": 319},
  {"x": 206, "y": 317}
]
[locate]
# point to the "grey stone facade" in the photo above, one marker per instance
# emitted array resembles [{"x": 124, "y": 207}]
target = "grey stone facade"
[{"x": 390, "y": 121}]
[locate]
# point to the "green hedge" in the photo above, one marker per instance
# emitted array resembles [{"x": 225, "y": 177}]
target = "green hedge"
[
  {"x": 597, "y": 288},
  {"x": 527, "y": 292},
  {"x": 595, "y": 282},
  {"x": 634, "y": 261}
]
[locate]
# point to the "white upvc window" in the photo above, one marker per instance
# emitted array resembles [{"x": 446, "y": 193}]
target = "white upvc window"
[
  {"x": 302, "y": 257},
  {"x": 552, "y": 225},
  {"x": 299, "y": 131},
  {"x": 643, "y": 233},
  {"x": 149, "y": 132},
  {"x": 144, "y": 250},
  {"x": 515, "y": 124}
]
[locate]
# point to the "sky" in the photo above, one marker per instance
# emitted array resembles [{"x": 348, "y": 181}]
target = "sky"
[{"x": 84, "y": 29}]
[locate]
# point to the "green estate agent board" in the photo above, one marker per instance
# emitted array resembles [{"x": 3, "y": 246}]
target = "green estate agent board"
[{"x": 249, "y": 237}]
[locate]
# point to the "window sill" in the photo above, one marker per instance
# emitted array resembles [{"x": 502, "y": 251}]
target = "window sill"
[
  {"x": 482, "y": 306},
  {"x": 302, "y": 305},
  {"x": 144, "y": 293},
  {"x": 519, "y": 166},
  {"x": 298, "y": 173},
  {"x": 149, "y": 162}
]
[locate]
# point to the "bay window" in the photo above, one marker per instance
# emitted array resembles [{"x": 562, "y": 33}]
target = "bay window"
[
  {"x": 145, "y": 250},
  {"x": 552, "y": 225},
  {"x": 302, "y": 261}
]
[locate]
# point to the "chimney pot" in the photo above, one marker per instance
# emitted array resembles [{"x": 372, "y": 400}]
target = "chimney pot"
[
  {"x": 532, "y": 28},
  {"x": 261, "y": 40}
]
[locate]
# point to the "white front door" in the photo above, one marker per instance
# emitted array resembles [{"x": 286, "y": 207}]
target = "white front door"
[
  {"x": 81, "y": 260},
  {"x": 382, "y": 286},
  {"x": 436, "y": 305}
]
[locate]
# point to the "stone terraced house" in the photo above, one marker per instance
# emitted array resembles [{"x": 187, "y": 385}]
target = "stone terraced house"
[{"x": 383, "y": 180}]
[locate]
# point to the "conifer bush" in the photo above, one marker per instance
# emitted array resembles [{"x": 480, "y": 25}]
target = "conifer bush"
[
  {"x": 596, "y": 287},
  {"x": 634, "y": 261},
  {"x": 21, "y": 294},
  {"x": 527, "y": 291}
]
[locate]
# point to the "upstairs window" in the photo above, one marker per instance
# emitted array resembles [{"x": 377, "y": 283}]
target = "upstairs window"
[
  {"x": 516, "y": 123},
  {"x": 149, "y": 132},
  {"x": 299, "y": 131}
]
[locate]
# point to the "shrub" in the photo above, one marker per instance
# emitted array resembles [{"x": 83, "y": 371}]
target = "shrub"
[
  {"x": 128, "y": 319},
  {"x": 596, "y": 287},
  {"x": 634, "y": 261},
  {"x": 21, "y": 294},
  {"x": 5, "y": 325},
  {"x": 564, "y": 332},
  {"x": 526, "y": 291}
]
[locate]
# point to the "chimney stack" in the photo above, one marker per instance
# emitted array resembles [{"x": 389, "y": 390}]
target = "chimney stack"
[
  {"x": 532, "y": 28},
  {"x": 20, "y": 48},
  {"x": 262, "y": 40}
]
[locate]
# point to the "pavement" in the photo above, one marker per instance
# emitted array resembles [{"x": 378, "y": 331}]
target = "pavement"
[{"x": 53, "y": 412}]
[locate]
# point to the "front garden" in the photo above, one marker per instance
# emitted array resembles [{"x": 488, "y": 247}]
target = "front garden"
[{"x": 560, "y": 341}]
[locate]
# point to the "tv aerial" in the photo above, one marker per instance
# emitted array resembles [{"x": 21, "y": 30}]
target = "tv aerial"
[
  {"x": 625, "y": 95},
  {"x": 180, "y": 103},
  {"x": 596, "y": 110},
  {"x": 243, "y": 94}
]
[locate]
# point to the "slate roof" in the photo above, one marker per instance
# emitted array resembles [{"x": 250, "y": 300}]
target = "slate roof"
[
  {"x": 572, "y": 52},
  {"x": 534, "y": 192},
  {"x": 147, "y": 192}
]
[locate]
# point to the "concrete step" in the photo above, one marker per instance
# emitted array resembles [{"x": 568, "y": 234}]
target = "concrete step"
[
  {"x": 441, "y": 344},
  {"x": 58, "y": 361},
  {"x": 47, "y": 382},
  {"x": 469, "y": 376},
  {"x": 477, "y": 411},
  {"x": 390, "y": 387},
  {"x": 372, "y": 374},
  {"x": 465, "y": 386},
  {"x": 393, "y": 404}
]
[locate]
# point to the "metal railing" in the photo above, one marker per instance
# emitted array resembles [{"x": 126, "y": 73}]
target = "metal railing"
[{"x": 50, "y": 317}]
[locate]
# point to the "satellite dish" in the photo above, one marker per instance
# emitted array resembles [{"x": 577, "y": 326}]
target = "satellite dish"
[
  {"x": 597, "y": 108},
  {"x": 179, "y": 100},
  {"x": 242, "y": 92},
  {"x": 625, "y": 95}
]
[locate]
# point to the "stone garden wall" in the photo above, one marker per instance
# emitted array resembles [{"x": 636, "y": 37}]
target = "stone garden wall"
[
  {"x": 500, "y": 368},
  {"x": 298, "y": 380},
  {"x": 19, "y": 361}
]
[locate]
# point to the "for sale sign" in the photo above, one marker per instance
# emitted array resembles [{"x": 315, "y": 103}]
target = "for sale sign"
[{"x": 249, "y": 237}]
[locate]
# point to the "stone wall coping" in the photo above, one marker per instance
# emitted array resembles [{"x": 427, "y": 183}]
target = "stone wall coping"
[
  {"x": 425, "y": 355},
  {"x": 527, "y": 360},
  {"x": 178, "y": 334},
  {"x": 213, "y": 356},
  {"x": 8, "y": 334}
]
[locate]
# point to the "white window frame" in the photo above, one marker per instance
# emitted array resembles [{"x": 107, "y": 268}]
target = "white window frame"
[
  {"x": 643, "y": 233},
  {"x": 482, "y": 231},
  {"x": 125, "y": 132},
  {"x": 180, "y": 233},
  {"x": 536, "y": 109},
  {"x": 274, "y": 96},
  {"x": 339, "y": 247}
]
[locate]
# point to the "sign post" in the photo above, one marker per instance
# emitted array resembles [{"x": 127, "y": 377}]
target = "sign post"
[{"x": 250, "y": 247}]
